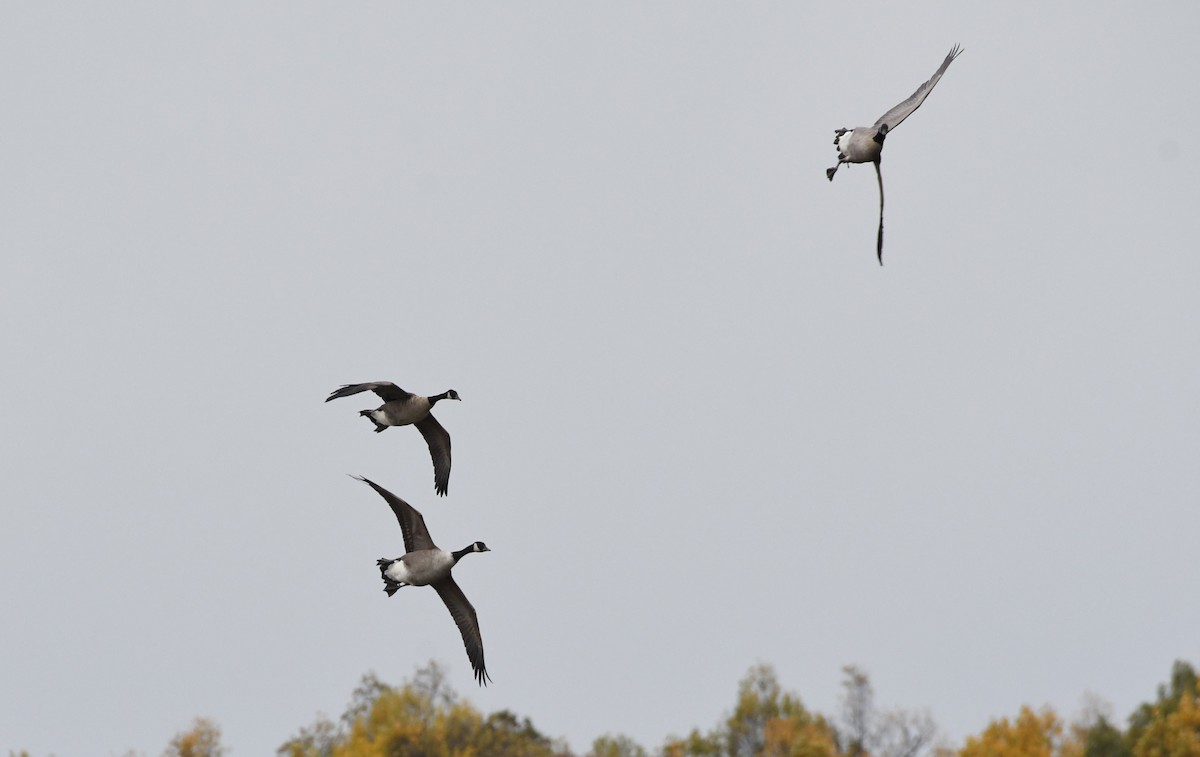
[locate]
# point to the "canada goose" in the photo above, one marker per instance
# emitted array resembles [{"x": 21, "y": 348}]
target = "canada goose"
[
  {"x": 401, "y": 408},
  {"x": 423, "y": 564},
  {"x": 865, "y": 143}
]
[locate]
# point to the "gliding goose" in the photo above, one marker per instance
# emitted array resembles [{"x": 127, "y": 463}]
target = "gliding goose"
[
  {"x": 401, "y": 408},
  {"x": 423, "y": 564},
  {"x": 865, "y": 143}
]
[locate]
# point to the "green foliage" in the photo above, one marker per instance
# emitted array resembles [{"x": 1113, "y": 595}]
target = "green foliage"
[
  {"x": 317, "y": 740},
  {"x": 768, "y": 720},
  {"x": 503, "y": 734},
  {"x": 616, "y": 746},
  {"x": 765, "y": 721},
  {"x": 696, "y": 745},
  {"x": 1173, "y": 730},
  {"x": 1167, "y": 727},
  {"x": 1153, "y": 716},
  {"x": 1103, "y": 739}
]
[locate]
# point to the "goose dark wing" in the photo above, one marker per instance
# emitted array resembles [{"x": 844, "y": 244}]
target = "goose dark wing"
[
  {"x": 388, "y": 391},
  {"x": 905, "y": 109},
  {"x": 438, "y": 440},
  {"x": 412, "y": 523},
  {"x": 468, "y": 624}
]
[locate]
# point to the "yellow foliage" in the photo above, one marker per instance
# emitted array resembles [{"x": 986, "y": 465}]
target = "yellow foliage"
[
  {"x": 695, "y": 745},
  {"x": 405, "y": 721},
  {"x": 1033, "y": 734},
  {"x": 203, "y": 740},
  {"x": 1174, "y": 735},
  {"x": 797, "y": 737}
]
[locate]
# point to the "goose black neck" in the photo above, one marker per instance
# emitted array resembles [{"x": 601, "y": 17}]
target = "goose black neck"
[
  {"x": 462, "y": 553},
  {"x": 435, "y": 398}
]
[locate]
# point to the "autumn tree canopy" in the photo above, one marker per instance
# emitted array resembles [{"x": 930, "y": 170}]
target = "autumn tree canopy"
[{"x": 426, "y": 718}]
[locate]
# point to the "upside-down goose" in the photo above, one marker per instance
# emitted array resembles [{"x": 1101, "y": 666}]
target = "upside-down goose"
[{"x": 865, "y": 143}]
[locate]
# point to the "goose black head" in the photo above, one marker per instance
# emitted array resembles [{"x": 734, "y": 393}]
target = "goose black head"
[
  {"x": 453, "y": 395},
  {"x": 479, "y": 547},
  {"x": 881, "y": 133}
]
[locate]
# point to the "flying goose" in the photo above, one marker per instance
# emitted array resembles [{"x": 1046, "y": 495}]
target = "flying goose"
[
  {"x": 401, "y": 408},
  {"x": 423, "y": 564},
  {"x": 865, "y": 143}
]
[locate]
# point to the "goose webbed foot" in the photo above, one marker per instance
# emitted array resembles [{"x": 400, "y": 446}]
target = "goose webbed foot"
[{"x": 831, "y": 171}]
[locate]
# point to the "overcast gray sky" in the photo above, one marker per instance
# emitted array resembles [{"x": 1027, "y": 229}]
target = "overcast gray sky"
[{"x": 701, "y": 428}]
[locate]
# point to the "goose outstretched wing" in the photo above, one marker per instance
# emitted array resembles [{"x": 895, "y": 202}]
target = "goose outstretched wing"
[
  {"x": 896, "y": 115},
  {"x": 387, "y": 391},
  {"x": 438, "y": 440},
  {"x": 468, "y": 624},
  {"x": 412, "y": 523}
]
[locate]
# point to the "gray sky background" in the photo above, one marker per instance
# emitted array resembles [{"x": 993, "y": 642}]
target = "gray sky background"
[{"x": 701, "y": 427}]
